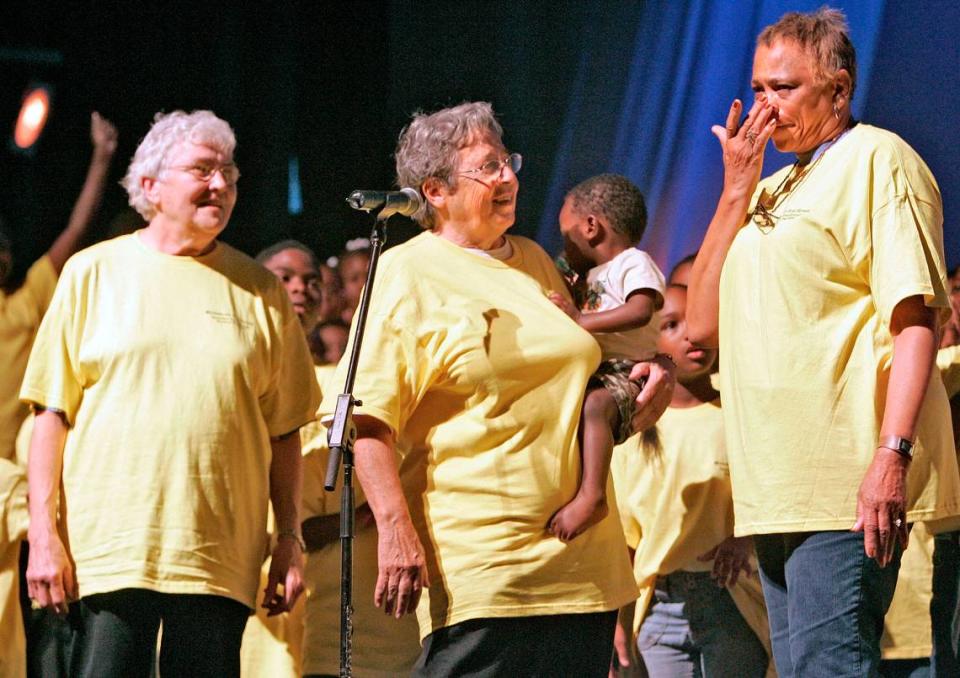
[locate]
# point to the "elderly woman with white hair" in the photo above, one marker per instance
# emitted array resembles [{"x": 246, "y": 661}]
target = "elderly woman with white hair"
[
  {"x": 475, "y": 378},
  {"x": 170, "y": 377}
]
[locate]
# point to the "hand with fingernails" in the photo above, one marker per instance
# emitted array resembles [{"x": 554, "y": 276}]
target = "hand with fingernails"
[{"x": 743, "y": 145}]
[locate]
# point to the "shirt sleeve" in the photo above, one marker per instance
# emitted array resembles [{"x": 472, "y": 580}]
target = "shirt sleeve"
[
  {"x": 639, "y": 272},
  {"x": 293, "y": 396},
  {"x": 907, "y": 243},
  {"x": 392, "y": 374}
]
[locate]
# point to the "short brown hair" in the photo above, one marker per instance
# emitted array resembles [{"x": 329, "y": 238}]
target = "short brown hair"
[{"x": 824, "y": 34}]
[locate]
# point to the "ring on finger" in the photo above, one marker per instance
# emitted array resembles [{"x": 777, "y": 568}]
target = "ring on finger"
[{"x": 752, "y": 137}]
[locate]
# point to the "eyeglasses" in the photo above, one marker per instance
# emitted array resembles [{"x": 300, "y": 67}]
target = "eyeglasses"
[
  {"x": 205, "y": 173},
  {"x": 493, "y": 169}
]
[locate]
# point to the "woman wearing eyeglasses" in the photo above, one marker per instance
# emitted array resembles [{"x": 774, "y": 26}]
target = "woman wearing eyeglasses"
[
  {"x": 471, "y": 373},
  {"x": 170, "y": 376},
  {"x": 826, "y": 284}
]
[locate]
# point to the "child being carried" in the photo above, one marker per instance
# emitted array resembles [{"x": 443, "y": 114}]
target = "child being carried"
[{"x": 618, "y": 290}]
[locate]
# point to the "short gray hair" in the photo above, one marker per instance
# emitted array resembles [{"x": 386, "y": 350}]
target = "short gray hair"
[
  {"x": 167, "y": 131},
  {"x": 428, "y": 147}
]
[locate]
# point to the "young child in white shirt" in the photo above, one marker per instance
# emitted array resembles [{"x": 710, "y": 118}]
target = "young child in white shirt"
[{"x": 619, "y": 290}]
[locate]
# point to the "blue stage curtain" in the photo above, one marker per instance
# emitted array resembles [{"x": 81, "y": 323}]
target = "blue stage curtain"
[{"x": 642, "y": 106}]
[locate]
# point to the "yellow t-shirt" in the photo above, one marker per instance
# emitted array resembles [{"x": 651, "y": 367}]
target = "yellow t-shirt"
[
  {"x": 482, "y": 378},
  {"x": 906, "y": 626},
  {"x": 174, "y": 372},
  {"x": 20, "y": 315},
  {"x": 273, "y": 646},
  {"x": 383, "y": 647},
  {"x": 907, "y": 633},
  {"x": 13, "y": 529},
  {"x": 948, "y": 363},
  {"x": 805, "y": 342},
  {"x": 676, "y": 504}
]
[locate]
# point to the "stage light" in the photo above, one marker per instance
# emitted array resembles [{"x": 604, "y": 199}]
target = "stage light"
[{"x": 34, "y": 112}]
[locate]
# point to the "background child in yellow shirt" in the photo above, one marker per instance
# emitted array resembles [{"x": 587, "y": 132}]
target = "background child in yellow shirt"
[{"x": 700, "y": 610}]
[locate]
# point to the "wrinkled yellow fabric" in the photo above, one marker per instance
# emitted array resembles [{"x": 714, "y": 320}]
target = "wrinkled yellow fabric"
[
  {"x": 20, "y": 315},
  {"x": 675, "y": 505},
  {"x": 805, "y": 344},
  {"x": 13, "y": 529},
  {"x": 948, "y": 362},
  {"x": 906, "y": 626},
  {"x": 382, "y": 646},
  {"x": 482, "y": 378},
  {"x": 173, "y": 373}
]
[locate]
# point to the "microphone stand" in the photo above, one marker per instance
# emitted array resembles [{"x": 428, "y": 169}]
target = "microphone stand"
[{"x": 341, "y": 437}]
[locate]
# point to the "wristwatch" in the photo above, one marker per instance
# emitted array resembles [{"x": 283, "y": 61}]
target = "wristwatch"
[{"x": 901, "y": 446}]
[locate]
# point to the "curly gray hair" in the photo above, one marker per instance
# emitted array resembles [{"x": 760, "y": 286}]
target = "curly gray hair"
[
  {"x": 428, "y": 147},
  {"x": 168, "y": 130}
]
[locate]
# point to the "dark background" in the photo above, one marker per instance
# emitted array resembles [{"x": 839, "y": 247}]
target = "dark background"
[{"x": 332, "y": 84}]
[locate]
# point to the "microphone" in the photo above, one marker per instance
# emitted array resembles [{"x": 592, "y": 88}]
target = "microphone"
[{"x": 406, "y": 201}]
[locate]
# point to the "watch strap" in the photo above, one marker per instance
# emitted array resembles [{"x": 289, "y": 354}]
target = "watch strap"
[{"x": 901, "y": 446}]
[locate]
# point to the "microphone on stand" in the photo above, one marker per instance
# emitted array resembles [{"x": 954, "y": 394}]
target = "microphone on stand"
[{"x": 406, "y": 201}]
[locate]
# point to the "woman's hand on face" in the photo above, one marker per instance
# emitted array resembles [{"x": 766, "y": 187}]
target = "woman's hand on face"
[
  {"x": 743, "y": 146},
  {"x": 654, "y": 398}
]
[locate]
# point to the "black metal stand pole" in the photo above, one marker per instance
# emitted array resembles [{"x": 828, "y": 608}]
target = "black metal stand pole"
[{"x": 343, "y": 433}]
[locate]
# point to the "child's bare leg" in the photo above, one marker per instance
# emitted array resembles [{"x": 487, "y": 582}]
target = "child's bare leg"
[{"x": 589, "y": 506}]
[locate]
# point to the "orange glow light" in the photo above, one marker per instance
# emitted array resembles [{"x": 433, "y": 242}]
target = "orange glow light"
[{"x": 32, "y": 118}]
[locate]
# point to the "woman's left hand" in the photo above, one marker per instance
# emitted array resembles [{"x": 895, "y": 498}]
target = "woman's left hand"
[
  {"x": 881, "y": 504},
  {"x": 730, "y": 557},
  {"x": 654, "y": 398},
  {"x": 286, "y": 570}
]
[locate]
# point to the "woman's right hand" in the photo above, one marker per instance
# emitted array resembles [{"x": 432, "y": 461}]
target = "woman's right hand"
[
  {"x": 402, "y": 569},
  {"x": 51, "y": 580},
  {"x": 660, "y": 374},
  {"x": 743, "y": 146}
]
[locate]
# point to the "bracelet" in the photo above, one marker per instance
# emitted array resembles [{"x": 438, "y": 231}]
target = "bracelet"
[{"x": 291, "y": 534}]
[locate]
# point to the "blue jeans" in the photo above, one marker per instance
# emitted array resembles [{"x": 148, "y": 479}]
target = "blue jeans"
[
  {"x": 694, "y": 629},
  {"x": 945, "y": 605},
  {"x": 826, "y": 601}
]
